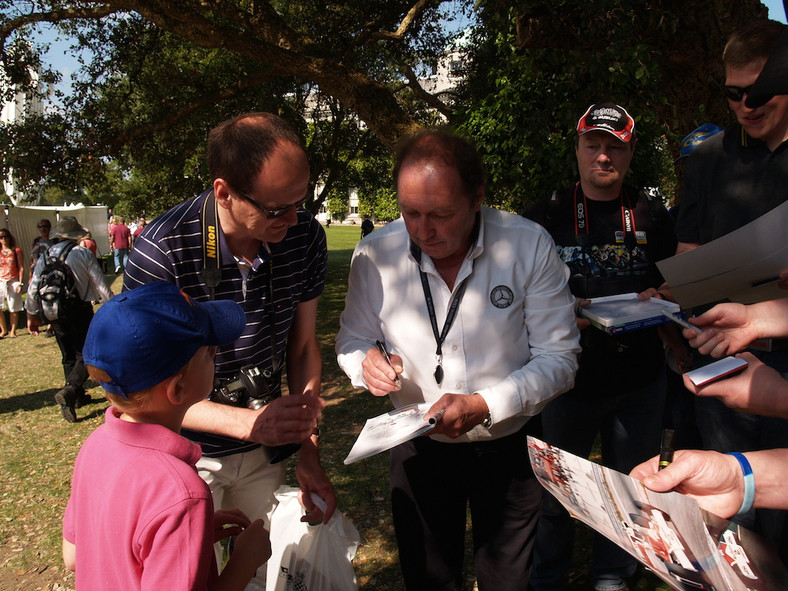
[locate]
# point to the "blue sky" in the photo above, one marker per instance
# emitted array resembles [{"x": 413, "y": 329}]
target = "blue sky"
[{"x": 776, "y": 9}]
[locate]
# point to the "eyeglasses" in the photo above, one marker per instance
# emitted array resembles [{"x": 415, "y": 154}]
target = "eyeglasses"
[
  {"x": 43, "y": 226},
  {"x": 272, "y": 213},
  {"x": 4, "y": 236},
  {"x": 736, "y": 93}
]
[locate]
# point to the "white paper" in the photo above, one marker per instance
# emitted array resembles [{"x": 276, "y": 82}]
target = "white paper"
[
  {"x": 741, "y": 266},
  {"x": 389, "y": 430},
  {"x": 667, "y": 532}
]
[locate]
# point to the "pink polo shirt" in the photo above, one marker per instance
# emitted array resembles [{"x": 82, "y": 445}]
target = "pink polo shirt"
[{"x": 139, "y": 514}]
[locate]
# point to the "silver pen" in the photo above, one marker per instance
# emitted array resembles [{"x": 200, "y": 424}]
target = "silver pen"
[{"x": 382, "y": 349}]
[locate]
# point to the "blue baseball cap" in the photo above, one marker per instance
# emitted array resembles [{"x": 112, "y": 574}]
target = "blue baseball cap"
[
  {"x": 143, "y": 336},
  {"x": 697, "y": 137}
]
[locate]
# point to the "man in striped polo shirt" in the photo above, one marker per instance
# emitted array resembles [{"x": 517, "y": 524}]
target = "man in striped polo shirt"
[{"x": 247, "y": 239}]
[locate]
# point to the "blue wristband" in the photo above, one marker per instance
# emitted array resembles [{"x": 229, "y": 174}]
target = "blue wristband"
[{"x": 749, "y": 482}]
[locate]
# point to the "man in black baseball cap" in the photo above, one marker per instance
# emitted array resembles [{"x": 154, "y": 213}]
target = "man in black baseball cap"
[{"x": 610, "y": 235}]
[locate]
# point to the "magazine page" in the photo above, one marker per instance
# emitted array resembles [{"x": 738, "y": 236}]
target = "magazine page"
[
  {"x": 389, "y": 430},
  {"x": 667, "y": 532}
]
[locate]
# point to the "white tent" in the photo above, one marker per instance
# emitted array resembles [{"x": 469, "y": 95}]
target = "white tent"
[{"x": 22, "y": 220}]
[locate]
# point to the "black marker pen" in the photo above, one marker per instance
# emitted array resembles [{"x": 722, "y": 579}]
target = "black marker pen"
[{"x": 666, "y": 448}]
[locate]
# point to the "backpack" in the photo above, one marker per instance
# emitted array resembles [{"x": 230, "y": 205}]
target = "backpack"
[{"x": 57, "y": 288}]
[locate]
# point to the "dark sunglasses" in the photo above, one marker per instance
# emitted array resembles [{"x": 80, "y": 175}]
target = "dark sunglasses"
[
  {"x": 4, "y": 236},
  {"x": 43, "y": 226},
  {"x": 736, "y": 93},
  {"x": 272, "y": 213}
]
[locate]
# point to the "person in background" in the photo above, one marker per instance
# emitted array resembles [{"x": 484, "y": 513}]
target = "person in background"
[
  {"x": 474, "y": 305},
  {"x": 135, "y": 471},
  {"x": 12, "y": 275},
  {"x": 367, "y": 227},
  {"x": 611, "y": 236},
  {"x": 120, "y": 242},
  {"x": 41, "y": 242},
  {"x": 138, "y": 231},
  {"x": 70, "y": 331},
  {"x": 88, "y": 242}
]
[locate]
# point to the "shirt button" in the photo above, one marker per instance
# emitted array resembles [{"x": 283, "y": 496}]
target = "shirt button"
[
  {"x": 458, "y": 385},
  {"x": 454, "y": 348}
]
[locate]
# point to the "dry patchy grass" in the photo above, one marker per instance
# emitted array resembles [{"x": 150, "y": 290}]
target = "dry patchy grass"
[{"x": 38, "y": 448}]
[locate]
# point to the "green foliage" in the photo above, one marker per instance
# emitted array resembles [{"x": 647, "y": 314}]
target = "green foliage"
[
  {"x": 524, "y": 104},
  {"x": 157, "y": 80}
]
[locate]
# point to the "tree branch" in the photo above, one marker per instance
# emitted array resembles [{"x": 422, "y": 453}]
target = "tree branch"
[
  {"x": 407, "y": 21},
  {"x": 54, "y": 16},
  {"x": 432, "y": 100}
]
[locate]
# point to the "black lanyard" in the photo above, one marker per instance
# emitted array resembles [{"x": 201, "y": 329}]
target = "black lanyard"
[{"x": 450, "y": 315}]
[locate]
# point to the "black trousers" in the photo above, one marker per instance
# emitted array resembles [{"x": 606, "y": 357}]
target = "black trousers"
[
  {"x": 432, "y": 486},
  {"x": 70, "y": 334}
]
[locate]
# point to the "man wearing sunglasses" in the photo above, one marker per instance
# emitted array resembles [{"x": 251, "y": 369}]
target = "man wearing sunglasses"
[
  {"x": 247, "y": 239},
  {"x": 730, "y": 180},
  {"x": 737, "y": 176},
  {"x": 474, "y": 306}
]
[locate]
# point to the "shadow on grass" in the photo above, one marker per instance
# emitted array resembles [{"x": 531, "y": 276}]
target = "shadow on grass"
[{"x": 31, "y": 401}]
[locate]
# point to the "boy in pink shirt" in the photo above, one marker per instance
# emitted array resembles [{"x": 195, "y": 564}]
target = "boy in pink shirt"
[{"x": 139, "y": 516}]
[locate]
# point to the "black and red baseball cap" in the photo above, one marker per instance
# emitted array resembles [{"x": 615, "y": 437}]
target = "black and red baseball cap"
[{"x": 608, "y": 117}]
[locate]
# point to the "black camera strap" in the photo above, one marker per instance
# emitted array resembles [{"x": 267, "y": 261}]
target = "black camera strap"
[
  {"x": 212, "y": 273},
  {"x": 211, "y": 262}
]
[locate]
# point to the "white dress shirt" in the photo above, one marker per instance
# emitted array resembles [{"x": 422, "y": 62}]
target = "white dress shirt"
[{"x": 514, "y": 339}]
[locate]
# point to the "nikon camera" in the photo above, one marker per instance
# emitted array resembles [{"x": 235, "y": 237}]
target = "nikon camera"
[{"x": 253, "y": 388}]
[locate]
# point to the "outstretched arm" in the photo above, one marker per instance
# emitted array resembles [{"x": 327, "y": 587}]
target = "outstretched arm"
[
  {"x": 716, "y": 481},
  {"x": 303, "y": 376},
  {"x": 729, "y": 328},
  {"x": 758, "y": 390}
]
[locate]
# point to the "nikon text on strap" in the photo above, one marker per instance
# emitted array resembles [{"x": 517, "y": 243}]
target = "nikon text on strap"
[{"x": 211, "y": 263}]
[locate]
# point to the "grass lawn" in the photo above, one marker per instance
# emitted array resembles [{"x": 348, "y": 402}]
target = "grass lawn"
[{"x": 38, "y": 448}]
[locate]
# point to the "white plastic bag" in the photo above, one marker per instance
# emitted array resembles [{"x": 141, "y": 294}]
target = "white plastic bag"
[{"x": 310, "y": 557}]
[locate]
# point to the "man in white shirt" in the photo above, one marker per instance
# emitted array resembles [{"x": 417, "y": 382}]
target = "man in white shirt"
[{"x": 473, "y": 303}]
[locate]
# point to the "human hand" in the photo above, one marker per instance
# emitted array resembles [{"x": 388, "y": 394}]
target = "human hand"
[
  {"x": 661, "y": 293},
  {"x": 459, "y": 413},
  {"x": 33, "y": 324},
  {"x": 313, "y": 480},
  {"x": 783, "y": 282},
  {"x": 758, "y": 389},
  {"x": 378, "y": 374},
  {"x": 713, "y": 479},
  {"x": 252, "y": 549},
  {"x": 287, "y": 419},
  {"x": 229, "y": 522},
  {"x": 727, "y": 329},
  {"x": 671, "y": 335},
  {"x": 582, "y": 322}
]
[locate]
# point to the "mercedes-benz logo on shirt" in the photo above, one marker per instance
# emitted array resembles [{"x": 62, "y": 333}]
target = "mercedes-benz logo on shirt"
[{"x": 501, "y": 296}]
